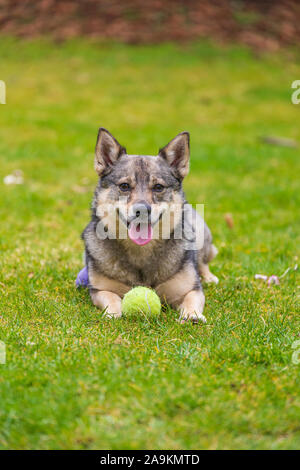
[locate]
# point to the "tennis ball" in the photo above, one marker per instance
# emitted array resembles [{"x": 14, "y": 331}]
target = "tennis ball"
[{"x": 141, "y": 300}]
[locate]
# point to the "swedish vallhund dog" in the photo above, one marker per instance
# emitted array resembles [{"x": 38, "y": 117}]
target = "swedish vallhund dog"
[{"x": 124, "y": 243}]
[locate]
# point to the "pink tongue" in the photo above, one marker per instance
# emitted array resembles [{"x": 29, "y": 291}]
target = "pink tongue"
[{"x": 140, "y": 234}]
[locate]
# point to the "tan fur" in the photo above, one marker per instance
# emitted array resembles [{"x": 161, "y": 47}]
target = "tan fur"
[
  {"x": 169, "y": 263},
  {"x": 110, "y": 301},
  {"x": 101, "y": 282},
  {"x": 180, "y": 143},
  {"x": 174, "y": 290}
]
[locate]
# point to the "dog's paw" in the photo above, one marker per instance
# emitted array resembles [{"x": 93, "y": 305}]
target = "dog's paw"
[
  {"x": 108, "y": 302},
  {"x": 210, "y": 278},
  {"x": 111, "y": 316},
  {"x": 194, "y": 317}
]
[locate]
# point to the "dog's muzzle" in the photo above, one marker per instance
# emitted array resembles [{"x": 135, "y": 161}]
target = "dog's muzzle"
[{"x": 140, "y": 229}]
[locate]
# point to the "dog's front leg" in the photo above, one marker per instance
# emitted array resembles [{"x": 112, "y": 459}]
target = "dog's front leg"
[
  {"x": 192, "y": 306},
  {"x": 109, "y": 301}
]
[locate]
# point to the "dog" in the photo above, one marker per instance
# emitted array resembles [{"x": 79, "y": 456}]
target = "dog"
[{"x": 133, "y": 197}]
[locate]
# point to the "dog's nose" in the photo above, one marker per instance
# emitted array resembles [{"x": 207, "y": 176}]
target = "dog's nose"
[{"x": 142, "y": 209}]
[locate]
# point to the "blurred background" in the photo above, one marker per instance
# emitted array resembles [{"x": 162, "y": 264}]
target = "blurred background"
[{"x": 147, "y": 70}]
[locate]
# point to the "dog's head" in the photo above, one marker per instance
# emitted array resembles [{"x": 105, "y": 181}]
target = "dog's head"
[{"x": 136, "y": 192}]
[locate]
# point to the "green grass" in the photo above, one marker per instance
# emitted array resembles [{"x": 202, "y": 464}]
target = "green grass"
[{"x": 74, "y": 380}]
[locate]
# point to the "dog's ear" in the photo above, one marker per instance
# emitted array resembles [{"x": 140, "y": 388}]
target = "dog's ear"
[
  {"x": 107, "y": 152},
  {"x": 177, "y": 153}
]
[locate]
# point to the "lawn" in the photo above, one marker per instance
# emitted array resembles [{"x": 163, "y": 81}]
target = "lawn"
[{"x": 74, "y": 380}]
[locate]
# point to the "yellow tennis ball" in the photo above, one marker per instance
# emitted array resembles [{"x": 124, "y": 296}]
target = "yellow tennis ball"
[{"x": 141, "y": 300}]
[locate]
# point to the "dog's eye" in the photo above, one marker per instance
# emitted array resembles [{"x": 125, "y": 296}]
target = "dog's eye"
[
  {"x": 158, "y": 188},
  {"x": 124, "y": 187}
]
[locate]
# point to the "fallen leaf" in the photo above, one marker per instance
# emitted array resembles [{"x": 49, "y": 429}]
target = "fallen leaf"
[{"x": 229, "y": 220}]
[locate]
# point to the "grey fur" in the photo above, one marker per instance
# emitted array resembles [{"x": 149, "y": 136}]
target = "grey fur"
[{"x": 160, "y": 260}]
